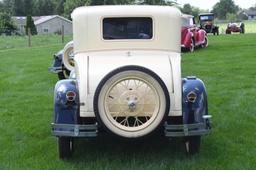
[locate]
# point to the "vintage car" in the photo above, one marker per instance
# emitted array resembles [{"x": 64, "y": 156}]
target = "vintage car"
[
  {"x": 207, "y": 23},
  {"x": 235, "y": 27},
  {"x": 63, "y": 61},
  {"x": 191, "y": 35},
  {"x": 127, "y": 79}
]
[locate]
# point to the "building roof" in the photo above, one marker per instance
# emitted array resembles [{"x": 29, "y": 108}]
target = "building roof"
[
  {"x": 21, "y": 20},
  {"x": 251, "y": 12},
  {"x": 50, "y": 17}
]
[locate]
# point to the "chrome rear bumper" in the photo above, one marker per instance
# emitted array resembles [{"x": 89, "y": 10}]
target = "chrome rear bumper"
[
  {"x": 75, "y": 130},
  {"x": 197, "y": 129}
]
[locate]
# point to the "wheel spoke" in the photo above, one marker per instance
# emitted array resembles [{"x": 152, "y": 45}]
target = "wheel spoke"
[
  {"x": 125, "y": 84},
  {"x": 122, "y": 121},
  {"x": 132, "y": 103},
  {"x": 138, "y": 84},
  {"x": 139, "y": 122}
]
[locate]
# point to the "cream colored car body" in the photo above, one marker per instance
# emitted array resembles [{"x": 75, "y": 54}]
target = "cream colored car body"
[{"x": 96, "y": 57}]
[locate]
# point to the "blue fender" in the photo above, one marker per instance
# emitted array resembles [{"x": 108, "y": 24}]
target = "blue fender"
[
  {"x": 193, "y": 111},
  {"x": 65, "y": 111}
]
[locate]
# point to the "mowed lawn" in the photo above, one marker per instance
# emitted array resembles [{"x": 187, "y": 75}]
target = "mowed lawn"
[{"x": 227, "y": 66}]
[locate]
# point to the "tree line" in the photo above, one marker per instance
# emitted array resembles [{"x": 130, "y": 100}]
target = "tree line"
[
  {"x": 63, "y": 7},
  {"x": 9, "y": 8},
  {"x": 224, "y": 9}
]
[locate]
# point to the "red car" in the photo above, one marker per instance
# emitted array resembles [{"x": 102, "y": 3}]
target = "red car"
[
  {"x": 191, "y": 35},
  {"x": 235, "y": 27}
]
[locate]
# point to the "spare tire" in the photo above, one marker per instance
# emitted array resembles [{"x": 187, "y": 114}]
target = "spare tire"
[{"x": 131, "y": 102}]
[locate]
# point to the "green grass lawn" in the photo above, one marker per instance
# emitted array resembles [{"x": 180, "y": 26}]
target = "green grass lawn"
[
  {"x": 9, "y": 42},
  {"x": 227, "y": 66}
]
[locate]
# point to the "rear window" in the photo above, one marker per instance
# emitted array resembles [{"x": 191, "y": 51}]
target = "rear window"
[
  {"x": 127, "y": 28},
  {"x": 206, "y": 17},
  {"x": 186, "y": 22}
]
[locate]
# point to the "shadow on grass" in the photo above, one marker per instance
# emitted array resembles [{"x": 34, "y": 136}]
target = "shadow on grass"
[
  {"x": 150, "y": 149},
  {"x": 107, "y": 145},
  {"x": 107, "y": 152}
]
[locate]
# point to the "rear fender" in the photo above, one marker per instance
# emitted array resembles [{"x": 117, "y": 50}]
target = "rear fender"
[
  {"x": 187, "y": 39},
  {"x": 201, "y": 36},
  {"x": 65, "y": 111},
  {"x": 193, "y": 112}
]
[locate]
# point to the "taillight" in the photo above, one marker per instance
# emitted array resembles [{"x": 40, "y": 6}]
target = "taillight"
[{"x": 71, "y": 96}]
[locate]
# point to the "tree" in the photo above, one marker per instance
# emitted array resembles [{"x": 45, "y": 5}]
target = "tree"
[
  {"x": 231, "y": 17},
  {"x": 7, "y": 25},
  {"x": 45, "y": 7},
  {"x": 8, "y": 6},
  {"x": 187, "y": 9},
  {"x": 253, "y": 7},
  {"x": 196, "y": 11},
  {"x": 28, "y": 7},
  {"x": 18, "y": 8},
  {"x": 60, "y": 7},
  {"x": 1, "y": 6},
  {"x": 98, "y": 2},
  {"x": 30, "y": 24},
  {"x": 223, "y": 7},
  {"x": 156, "y": 2},
  {"x": 70, "y": 5},
  {"x": 119, "y": 2},
  {"x": 191, "y": 10}
]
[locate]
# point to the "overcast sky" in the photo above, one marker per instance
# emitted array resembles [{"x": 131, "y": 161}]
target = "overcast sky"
[{"x": 208, "y": 4}]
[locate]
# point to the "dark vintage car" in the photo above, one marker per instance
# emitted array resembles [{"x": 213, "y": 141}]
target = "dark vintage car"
[
  {"x": 235, "y": 27},
  {"x": 207, "y": 23},
  {"x": 63, "y": 61},
  {"x": 191, "y": 35}
]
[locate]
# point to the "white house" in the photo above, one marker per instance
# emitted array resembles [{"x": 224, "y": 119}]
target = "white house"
[{"x": 251, "y": 14}]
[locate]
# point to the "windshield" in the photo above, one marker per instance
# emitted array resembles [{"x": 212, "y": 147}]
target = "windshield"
[
  {"x": 127, "y": 28},
  {"x": 206, "y": 18}
]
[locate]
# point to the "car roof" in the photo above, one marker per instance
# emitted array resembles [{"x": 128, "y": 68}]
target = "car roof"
[
  {"x": 187, "y": 16},
  {"x": 122, "y": 10},
  {"x": 202, "y": 14},
  {"x": 87, "y": 27}
]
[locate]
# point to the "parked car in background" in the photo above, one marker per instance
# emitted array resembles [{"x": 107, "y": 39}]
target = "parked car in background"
[
  {"x": 207, "y": 23},
  {"x": 235, "y": 27},
  {"x": 191, "y": 35},
  {"x": 63, "y": 61},
  {"x": 127, "y": 79}
]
